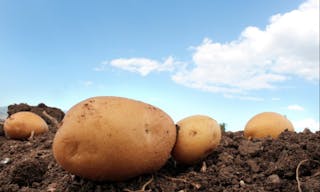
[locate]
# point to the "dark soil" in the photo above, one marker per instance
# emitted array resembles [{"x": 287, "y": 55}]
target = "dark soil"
[{"x": 236, "y": 165}]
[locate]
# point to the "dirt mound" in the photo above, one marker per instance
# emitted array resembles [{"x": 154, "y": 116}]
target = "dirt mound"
[
  {"x": 237, "y": 165},
  {"x": 56, "y": 113}
]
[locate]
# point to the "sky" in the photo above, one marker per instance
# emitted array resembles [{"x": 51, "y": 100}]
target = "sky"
[{"x": 229, "y": 60}]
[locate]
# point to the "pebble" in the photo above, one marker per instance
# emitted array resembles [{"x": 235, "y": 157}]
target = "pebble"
[
  {"x": 242, "y": 183},
  {"x": 274, "y": 178},
  {"x": 5, "y": 161},
  {"x": 52, "y": 187}
]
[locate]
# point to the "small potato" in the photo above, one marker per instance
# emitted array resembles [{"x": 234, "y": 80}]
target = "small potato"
[
  {"x": 20, "y": 125},
  {"x": 267, "y": 124},
  {"x": 198, "y": 136},
  {"x": 114, "y": 139}
]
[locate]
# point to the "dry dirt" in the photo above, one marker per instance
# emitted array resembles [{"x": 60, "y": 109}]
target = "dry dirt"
[{"x": 286, "y": 164}]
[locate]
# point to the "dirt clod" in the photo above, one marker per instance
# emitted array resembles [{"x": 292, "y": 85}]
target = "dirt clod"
[
  {"x": 237, "y": 164},
  {"x": 28, "y": 171}
]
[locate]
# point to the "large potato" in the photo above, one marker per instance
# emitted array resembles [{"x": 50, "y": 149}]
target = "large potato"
[
  {"x": 113, "y": 138},
  {"x": 267, "y": 124},
  {"x": 22, "y": 124},
  {"x": 198, "y": 136}
]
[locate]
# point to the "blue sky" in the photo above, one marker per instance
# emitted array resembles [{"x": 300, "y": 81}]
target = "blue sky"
[{"x": 226, "y": 59}]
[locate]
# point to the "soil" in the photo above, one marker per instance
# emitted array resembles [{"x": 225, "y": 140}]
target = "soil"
[{"x": 289, "y": 163}]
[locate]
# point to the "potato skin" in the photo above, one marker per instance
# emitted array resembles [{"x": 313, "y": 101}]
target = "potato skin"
[
  {"x": 267, "y": 124},
  {"x": 113, "y": 138},
  {"x": 21, "y": 124},
  {"x": 198, "y": 136}
]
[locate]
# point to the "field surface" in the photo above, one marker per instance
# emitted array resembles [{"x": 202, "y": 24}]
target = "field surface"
[{"x": 290, "y": 163}]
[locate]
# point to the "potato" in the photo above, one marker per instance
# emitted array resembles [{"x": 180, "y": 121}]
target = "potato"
[
  {"x": 20, "y": 125},
  {"x": 267, "y": 124},
  {"x": 114, "y": 139},
  {"x": 198, "y": 136}
]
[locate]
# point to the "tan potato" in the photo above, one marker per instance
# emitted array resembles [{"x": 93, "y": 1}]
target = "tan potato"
[
  {"x": 198, "y": 136},
  {"x": 22, "y": 124},
  {"x": 267, "y": 124},
  {"x": 113, "y": 138}
]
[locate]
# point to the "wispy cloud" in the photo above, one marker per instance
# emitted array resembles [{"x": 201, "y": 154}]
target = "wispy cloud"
[
  {"x": 295, "y": 107},
  {"x": 140, "y": 65},
  {"x": 87, "y": 83},
  {"x": 245, "y": 98},
  {"x": 101, "y": 67}
]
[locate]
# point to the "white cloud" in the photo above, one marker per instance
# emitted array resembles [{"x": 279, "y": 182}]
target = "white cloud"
[
  {"x": 275, "y": 99},
  {"x": 295, "y": 108},
  {"x": 309, "y": 123},
  {"x": 259, "y": 59},
  {"x": 143, "y": 66},
  {"x": 288, "y": 46}
]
